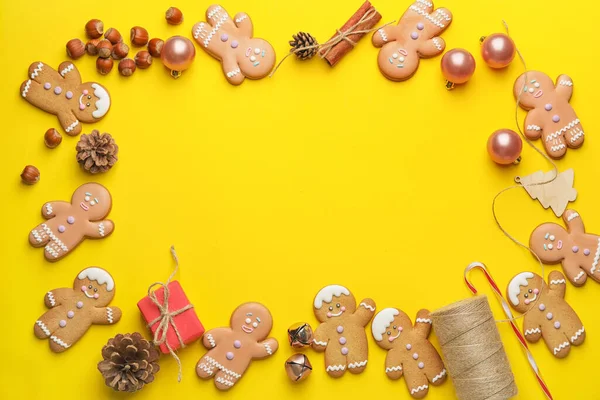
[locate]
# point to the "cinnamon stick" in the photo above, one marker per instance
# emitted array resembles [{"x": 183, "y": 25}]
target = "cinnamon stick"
[{"x": 334, "y": 54}]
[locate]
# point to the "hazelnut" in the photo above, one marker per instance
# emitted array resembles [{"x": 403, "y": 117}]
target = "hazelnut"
[
  {"x": 30, "y": 175},
  {"x": 52, "y": 138},
  {"x": 174, "y": 16},
  {"x": 143, "y": 59},
  {"x": 104, "y": 48},
  {"x": 94, "y": 28},
  {"x": 75, "y": 48},
  {"x": 113, "y": 36},
  {"x": 104, "y": 65},
  {"x": 91, "y": 47},
  {"x": 127, "y": 67},
  {"x": 120, "y": 50},
  {"x": 139, "y": 36},
  {"x": 155, "y": 46}
]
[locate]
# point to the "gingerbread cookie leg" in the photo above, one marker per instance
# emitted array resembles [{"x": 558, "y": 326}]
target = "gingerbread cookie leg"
[
  {"x": 205, "y": 369},
  {"x": 577, "y": 337},
  {"x": 59, "y": 342},
  {"x": 357, "y": 359},
  {"x": 557, "y": 341},
  {"x": 335, "y": 362},
  {"x": 416, "y": 381},
  {"x": 224, "y": 381},
  {"x": 47, "y": 324},
  {"x": 38, "y": 236},
  {"x": 232, "y": 70}
]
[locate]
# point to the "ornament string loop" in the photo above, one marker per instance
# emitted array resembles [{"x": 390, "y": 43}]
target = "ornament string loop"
[{"x": 166, "y": 317}]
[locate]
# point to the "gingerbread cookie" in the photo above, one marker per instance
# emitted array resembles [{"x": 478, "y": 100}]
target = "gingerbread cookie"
[
  {"x": 230, "y": 41},
  {"x": 63, "y": 94},
  {"x": 69, "y": 223},
  {"x": 550, "y": 115},
  {"x": 74, "y": 310},
  {"x": 233, "y": 348},
  {"x": 547, "y": 314},
  {"x": 409, "y": 352},
  {"x": 579, "y": 252},
  {"x": 415, "y": 37},
  {"x": 342, "y": 331}
]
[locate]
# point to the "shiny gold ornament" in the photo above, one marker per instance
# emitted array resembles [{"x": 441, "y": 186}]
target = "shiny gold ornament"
[
  {"x": 298, "y": 367},
  {"x": 300, "y": 335}
]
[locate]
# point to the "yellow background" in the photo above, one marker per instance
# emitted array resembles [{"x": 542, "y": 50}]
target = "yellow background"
[{"x": 271, "y": 190}]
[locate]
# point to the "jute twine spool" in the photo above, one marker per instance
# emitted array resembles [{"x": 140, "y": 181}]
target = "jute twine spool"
[{"x": 473, "y": 352}]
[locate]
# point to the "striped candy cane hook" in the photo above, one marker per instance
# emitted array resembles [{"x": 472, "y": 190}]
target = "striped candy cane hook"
[{"x": 510, "y": 319}]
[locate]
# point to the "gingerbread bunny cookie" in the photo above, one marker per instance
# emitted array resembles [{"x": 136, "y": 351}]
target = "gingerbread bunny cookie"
[
  {"x": 415, "y": 37},
  {"x": 230, "y": 41},
  {"x": 547, "y": 314},
  {"x": 233, "y": 348},
  {"x": 74, "y": 310},
  {"x": 550, "y": 115},
  {"x": 63, "y": 94},
  {"x": 342, "y": 331},
  {"x": 579, "y": 252},
  {"x": 409, "y": 352},
  {"x": 69, "y": 223}
]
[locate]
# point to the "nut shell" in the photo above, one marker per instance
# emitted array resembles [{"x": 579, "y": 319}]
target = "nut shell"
[
  {"x": 155, "y": 47},
  {"x": 139, "y": 36},
  {"x": 120, "y": 50},
  {"x": 127, "y": 67},
  {"x": 52, "y": 138},
  {"x": 143, "y": 59},
  {"x": 104, "y": 48},
  {"x": 92, "y": 47},
  {"x": 75, "y": 48},
  {"x": 30, "y": 175},
  {"x": 113, "y": 36},
  {"x": 94, "y": 28},
  {"x": 174, "y": 16},
  {"x": 104, "y": 65}
]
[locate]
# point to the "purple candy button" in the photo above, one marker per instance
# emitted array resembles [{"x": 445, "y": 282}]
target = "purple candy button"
[
  {"x": 57, "y": 90},
  {"x": 69, "y": 95},
  {"x": 414, "y": 35},
  {"x": 340, "y": 329},
  {"x": 420, "y": 26},
  {"x": 575, "y": 249},
  {"x": 61, "y": 228},
  {"x": 224, "y": 37},
  {"x": 71, "y": 219},
  {"x": 548, "y": 107},
  {"x": 70, "y": 314},
  {"x": 344, "y": 350},
  {"x": 79, "y": 304},
  {"x": 234, "y": 44},
  {"x": 555, "y": 118},
  {"x": 229, "y": 355},
  {"x": 342, "y": 340},
  {"x": 237, "y": 344},
  {"x": 47, "y": 85},
  {"x": 586, "y": 252},
  {"x": 62, "y": 323}
]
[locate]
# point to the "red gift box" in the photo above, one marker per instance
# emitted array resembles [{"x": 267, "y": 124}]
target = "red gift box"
[{"x": 189, "y": 326}]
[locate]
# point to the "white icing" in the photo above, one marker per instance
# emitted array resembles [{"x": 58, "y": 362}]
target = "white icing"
[
  {"x": 514, "y": 287},
  {"x": 418, "y": 389},
  {"x": 534, "y": 128},
  {"x": 59, "y": 342},
  {"x": 103, "y": 104},
  {"x": 37, "y": 70},
  {"x": 382, "y": 321},
  {"x": 205, "y": 368},
  {"x": 43, "y": 327},
  {"x": 577, "y": 334},
  {"x": 72, "y": 126},
  {"x": 357, "y": 364},
  {"x": 36, "y": 236},
  {"x": 565, "y": 82},
  {"x": 557, "y": 281},
  {"x": 268, "y": 348},
  {"x": 424, "y": 320},
  {"x": 339, "y": 367},
  {"x": 51, "y": 299},
  {"x": 233, "y": 73},
  {"x": 50, "y": 250},
  {"x": 216, "y": 364},
  {"x": 326, "y": 294},
  {"x": 101, "y": 229},
  {"x": 393, "y": 369},
  {"x": 437, "y": 43},
  {"x": 532, "y": 331},
  {"x": 67, "y": 69},
  {"x": 439, "y": 376},
  {"x": 560, "y": 347},
  {"x": 49, "y": 209},
  {"x": 427, "y": 3},
  {"x": 56, "y": 240},
  {"x": 211, "y": 340},
  {"x": 383, "y": 35},
  {"x": 558, "y": 147},
  {"x": 207, "y": 36},
  {"x": 26, "y": 88},
  {"x": 437, "y": 18},
  {"x": 572, "y": 216},
  {"x": 596, "y": 258},
  {"x": 315, "y": 341},
  {"x": 579, "y": 275},
  {"x": 559, "y": 132},
  {"x": 214, "y": 11},
  {"x": 368, "y": 307},
  {"x": 240, "y": 19},
  {"x": 223, "y": 381},
  {"x": 99, "y": 275},
  {"x": 577, "y": 136},
  {"x": 109, "y": 315}
]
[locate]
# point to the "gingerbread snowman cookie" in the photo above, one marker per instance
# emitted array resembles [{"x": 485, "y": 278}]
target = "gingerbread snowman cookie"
[
  {"x": 74, "y": 310},
  {"x": 416, "y": 36},
  {"x": 63, "y": 94},
  {"x": 579, "y": 252},
  {"x": 231, "y": 41},
  {"x": 233, "y": 348},
  {"x": 341, "y": 333},
  {"x": 409, "y": 352},
  {"x": 547, "y": 314},
  {"x": 550, "y": 115},
  {"x": 69, "y": 223}
]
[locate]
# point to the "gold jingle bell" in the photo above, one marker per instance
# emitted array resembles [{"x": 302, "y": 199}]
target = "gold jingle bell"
[
  {"x": 300, "y": 335},
  {"x": 297, "y": 367}
]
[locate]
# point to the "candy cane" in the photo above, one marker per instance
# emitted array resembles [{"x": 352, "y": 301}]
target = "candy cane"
[{"x": 511, "y": 320}]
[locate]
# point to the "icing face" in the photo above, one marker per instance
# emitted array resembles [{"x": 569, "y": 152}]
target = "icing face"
[
  {"x": 549, "y": 241},
  {"x": 255, "y": 57},
  {"x": 338, "y": 307},
  {"x": 536, "y": 91},
  {"x": 94, "y": 199},
  {"x": 400, "y": 63},
  {"x": 252, "y": 319},
  {"x": 389, "y": 326},
  {"x": 529, "y": 286},
  {"x": 93, "y": 291},
  {"x": 93, "y": 102}
]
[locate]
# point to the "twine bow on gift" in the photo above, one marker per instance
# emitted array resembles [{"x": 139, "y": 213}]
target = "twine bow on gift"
[{"x": 166, "y": 317}]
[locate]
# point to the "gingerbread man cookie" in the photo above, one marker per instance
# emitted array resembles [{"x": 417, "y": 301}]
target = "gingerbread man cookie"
[
  {"x": 342, "y": 331},
  {"x": 579, "y": 252},
  {"x": 63, "y": 94},
  {"x": 233, "y": 348},
  {"x": 415, "y": 37},
  {"x": 409, "y": 352},
  {"x": 547, "y": 314},
  {"x": 73, "y": 311},
  {"x": 69, "y": 223},
  {"x": 230, "y": 41},
  {"x": 550, "y": 115}
]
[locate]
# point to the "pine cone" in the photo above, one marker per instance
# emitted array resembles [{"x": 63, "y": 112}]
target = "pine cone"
[
  {"x": 302, "y": 40},
  {"x": 97, "y": 152},
  {"x": 130, "y": 362}
]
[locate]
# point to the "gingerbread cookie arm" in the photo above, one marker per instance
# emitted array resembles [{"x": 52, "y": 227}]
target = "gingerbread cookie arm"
[
  {"x": 265, "y": 349},
  {"x": 393, "y": 364},
  {"x": 532, "y": 129},
  {"x": 423, "y": 324},
  {"x": 244, "y": 24},
  {"x": 364, "y": 312},
  {"x": 98, "y": 230},
  {"x": 573, "y": 221},
  {"x": 52, "y": 208},
  {"x": 384, "y": 35},
  {"x": 69, "y": 72},
  {"x": 531, "y": 329},
  {"x": 557, "y": 284},
  {"x": 564, "y": 87},
  {"x": 212, "y": 338},
  {"x": 106, "y": 315},
  {"x": 69, "y": 122},
  {"x": 57, "y": 296},
  {"x": 320, "y": 339}
]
